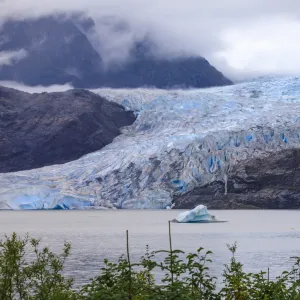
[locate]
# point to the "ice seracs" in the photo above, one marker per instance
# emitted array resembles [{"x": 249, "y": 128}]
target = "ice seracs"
[{"x": 181, "y": 141}]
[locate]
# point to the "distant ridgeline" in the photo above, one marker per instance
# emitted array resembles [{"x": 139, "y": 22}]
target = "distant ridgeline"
[{"x": 57, "y": 50}]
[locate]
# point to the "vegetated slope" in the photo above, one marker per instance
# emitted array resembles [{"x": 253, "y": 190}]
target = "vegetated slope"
[
  {"x": 57, "y": 50},
  {"x": 45, "y": 129}
]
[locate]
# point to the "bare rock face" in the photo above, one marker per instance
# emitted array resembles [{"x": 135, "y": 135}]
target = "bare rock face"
[
  {"x": 270, "y": 182},
  {"x": 58, "y": 50},
  {"x": 45, "y": 129}
]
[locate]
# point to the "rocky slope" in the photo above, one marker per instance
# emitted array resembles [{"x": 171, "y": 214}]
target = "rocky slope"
[
  {"x": 57, "y": 50},
  {"x": 225, "y": 147},
  {"x": 45, "y": 129},
  {"x": 270, "y": 182}
]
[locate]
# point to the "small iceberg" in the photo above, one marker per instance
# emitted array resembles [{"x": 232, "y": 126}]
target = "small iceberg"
[
  {"x": 170, "y": 207},
  {"x": 197, "y": 215}
]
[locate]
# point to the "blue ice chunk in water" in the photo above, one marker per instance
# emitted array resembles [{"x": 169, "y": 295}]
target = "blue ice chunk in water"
[{"x": 197, "y": 215}]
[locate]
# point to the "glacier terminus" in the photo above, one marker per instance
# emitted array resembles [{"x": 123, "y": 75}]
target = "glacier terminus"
[{"x": 213, "y": 141}]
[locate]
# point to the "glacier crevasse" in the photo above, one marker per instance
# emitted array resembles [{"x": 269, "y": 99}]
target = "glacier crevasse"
[{"x": 180, "y": 140}]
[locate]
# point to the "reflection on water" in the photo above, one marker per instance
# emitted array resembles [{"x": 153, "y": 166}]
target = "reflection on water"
[{"x": 266, "y": 238}]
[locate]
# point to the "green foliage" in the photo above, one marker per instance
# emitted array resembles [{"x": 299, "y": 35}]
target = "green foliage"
[
  {"x": 36, "y": 279},
  {"x": 239, "y": 285},
  {"x": 202, "y": 285},
  {"x": 30, "y": 272}
]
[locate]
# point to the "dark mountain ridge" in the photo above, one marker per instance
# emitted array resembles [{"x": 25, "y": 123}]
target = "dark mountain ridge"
[
  {"x": 37, "y": 130},
  {"x": 58, "y": 51}
]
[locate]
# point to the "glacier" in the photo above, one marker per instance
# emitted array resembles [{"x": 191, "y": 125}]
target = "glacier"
[{"x": 181, "y": 139}]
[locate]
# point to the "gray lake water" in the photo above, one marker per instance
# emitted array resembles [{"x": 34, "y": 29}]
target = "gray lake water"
[{"x": 265, "y": 238}]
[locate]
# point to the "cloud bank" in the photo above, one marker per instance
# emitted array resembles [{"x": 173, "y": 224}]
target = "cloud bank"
[
  {"x": 241, "y": 38},
  {"x": 36, "y": 89},
  {"x": 9, "y": 57}
]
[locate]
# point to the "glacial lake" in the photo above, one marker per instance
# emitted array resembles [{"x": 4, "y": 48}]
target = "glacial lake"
[{"x": 265, "y": 238}]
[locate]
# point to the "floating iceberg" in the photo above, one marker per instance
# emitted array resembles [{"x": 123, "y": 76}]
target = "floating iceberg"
[{"x": 197, "y": 215}]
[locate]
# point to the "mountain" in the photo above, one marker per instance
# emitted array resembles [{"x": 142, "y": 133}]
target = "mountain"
[
  {"x": 57, "y": 50},
  {"x": 162, "y": 73},
  {"x": 226, "y": 147},
  {"x": 45, "y": 129}
]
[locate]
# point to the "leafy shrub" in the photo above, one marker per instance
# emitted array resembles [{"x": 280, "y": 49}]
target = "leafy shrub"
[
  {"x": 39, "y": 278},
  {"x": 184, "y": 276}
]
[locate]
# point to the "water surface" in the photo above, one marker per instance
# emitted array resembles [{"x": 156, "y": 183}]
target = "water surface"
[{"x": 265, "y": 238}]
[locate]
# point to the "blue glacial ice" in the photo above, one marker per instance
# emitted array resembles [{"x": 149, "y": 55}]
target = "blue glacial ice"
[
  {"x": 197, "y": 215},
  {"x": 180, "y": 140}
]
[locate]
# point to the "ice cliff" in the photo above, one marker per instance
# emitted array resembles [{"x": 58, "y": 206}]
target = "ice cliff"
[{"x": 181, "y": 141}]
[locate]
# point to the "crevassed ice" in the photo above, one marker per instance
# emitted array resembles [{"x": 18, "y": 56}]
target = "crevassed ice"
[{"x": 180, "y": 140}]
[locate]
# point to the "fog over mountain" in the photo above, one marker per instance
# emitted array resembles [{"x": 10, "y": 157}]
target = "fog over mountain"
[
  {"x": 240, "y": 39},
  {"x": 63, "y": 49},
  {"x": 229, "y": 146}
]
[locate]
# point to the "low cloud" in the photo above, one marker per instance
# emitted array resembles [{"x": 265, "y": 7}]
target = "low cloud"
[
  {"x": 241, "y": 38},
  {"x": 9, "y": 58},
  {"x": 268, "y": 47},
  {"x": 36, "y": 89}
]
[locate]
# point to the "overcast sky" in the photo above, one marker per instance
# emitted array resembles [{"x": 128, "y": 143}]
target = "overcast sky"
[{"x": 241, "y": 38}]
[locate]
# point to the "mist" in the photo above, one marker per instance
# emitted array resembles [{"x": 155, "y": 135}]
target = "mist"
[
  {"x": 9, "y": 57},
  {"x": 241, "y": 39},
  {"x": 36, "y": 89}
]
